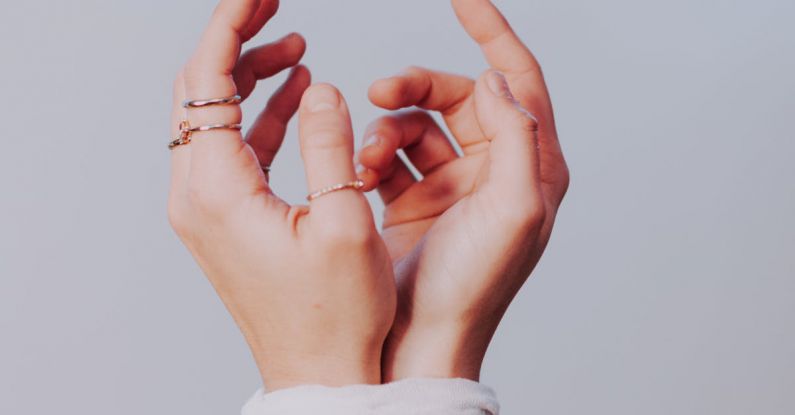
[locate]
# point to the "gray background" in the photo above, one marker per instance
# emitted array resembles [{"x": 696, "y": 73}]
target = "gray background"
[{"x": 668, "y": 288}]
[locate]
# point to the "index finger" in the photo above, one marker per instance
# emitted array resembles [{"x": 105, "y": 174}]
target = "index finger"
[
  {"x": 506, "y": 52},
  {"x": 500, "y": 44},
  {"x": 208, "y": 75},
  {"x": 233, "y": 22}
]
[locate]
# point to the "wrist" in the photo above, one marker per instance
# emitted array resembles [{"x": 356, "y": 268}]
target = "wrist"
[
  {"x": 450, "y": 350},
  {"x": 325, "y": 368}
]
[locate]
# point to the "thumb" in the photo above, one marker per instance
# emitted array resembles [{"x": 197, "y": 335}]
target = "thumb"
[
  {"x": 326, "y": 138},
  {"x": 513, "y": 134}
]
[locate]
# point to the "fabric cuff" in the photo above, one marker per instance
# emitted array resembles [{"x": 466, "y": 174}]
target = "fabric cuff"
[{"x": 406, "y": 397}]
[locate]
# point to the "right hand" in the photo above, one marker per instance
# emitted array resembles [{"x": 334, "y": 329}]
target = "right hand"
[
  {"x": 311, "y": 288},
  {"x": 464, "y": 238}
]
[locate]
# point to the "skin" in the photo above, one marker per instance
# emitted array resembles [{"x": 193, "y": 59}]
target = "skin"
[
  {"x": 311, "y": 287},
  {"x": 464, "y": 238}
]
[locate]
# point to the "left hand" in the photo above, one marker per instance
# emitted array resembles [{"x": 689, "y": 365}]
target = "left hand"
[
  {"x": 465, "y": 238},
  {"x": 310, "y": 287}
]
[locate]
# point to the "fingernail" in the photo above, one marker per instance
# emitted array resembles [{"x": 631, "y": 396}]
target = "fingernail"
[
  {"x": 360, "y": 170},
  {"x": 498, "y": 85},
  {"x": 322, "y": 98},
  {"x": 372, "y": 140}
]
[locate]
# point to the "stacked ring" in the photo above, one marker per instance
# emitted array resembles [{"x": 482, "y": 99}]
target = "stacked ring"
[
  {"x": 183, "y": 138},
  {"x": 185, "y": 130},
  {"x": 211, "y": 127},
  {"x": 199, "y": 103}
]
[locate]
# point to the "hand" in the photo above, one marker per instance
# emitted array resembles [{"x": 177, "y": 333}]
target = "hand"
[
  {"x": 464, "y": 238},
  {"x": 311, "y": 289}
]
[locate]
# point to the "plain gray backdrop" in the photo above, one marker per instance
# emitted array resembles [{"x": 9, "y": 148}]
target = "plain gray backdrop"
[{"x": 668, "y": 287}]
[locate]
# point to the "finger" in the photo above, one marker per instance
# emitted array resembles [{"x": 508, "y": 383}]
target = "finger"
[
  {"x": 219, "y": 48},
  {"x": 394, "y": 180},
  {"x": 326, "y": 138},
  {"x": 434, "y": 194},
  {"x": 180, "y": 155},
  {"x": 514, "y": 163},
  {"x": 415, "y": 86},
  {"x": 209, "y": 71},
  {"x": 267, "y": 133},
  {"x": 505, "y": 52},
  {"x": 266, "y": 10},
  {"x": 267, "y": 60},
  {"x": 451, "y": 95},
  {"x": 502, "y": 47},
  {"x": 218, "y": 156},
  {"x": 416, "y": 132}
]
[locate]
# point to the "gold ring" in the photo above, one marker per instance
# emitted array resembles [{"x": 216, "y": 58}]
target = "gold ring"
[
  {"x": 186, "y": 131},
  {"x": 199, "y": 103},
  {"x": 184, "y": 136},
  {"x": 355, "y": 185},
  {"x": 211, "y": 127}
]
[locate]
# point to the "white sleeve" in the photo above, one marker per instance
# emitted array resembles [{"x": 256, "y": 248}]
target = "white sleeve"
[{"x": 406, "y": 397}]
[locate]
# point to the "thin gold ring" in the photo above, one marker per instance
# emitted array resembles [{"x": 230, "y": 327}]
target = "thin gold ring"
[
  {"x": 355, "y": 185},
  {"x": 211, "y": 127},
  {"x": 199, "y": 103},
  {"x": 186, "y": 131}
]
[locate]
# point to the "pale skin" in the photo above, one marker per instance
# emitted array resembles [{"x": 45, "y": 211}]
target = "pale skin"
[
  {"x": 465, "y": 238},
  {"x": 310, "y": 287},
  {"x": 320, "y": 296}
]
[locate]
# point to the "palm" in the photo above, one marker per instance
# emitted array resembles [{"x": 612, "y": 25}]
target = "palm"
[
  {"x": 447, "y": 252},
  {"x": 465, "y": 237},
  {"x": 443, "y": 210},
  {"x": 439, "y": 229}
]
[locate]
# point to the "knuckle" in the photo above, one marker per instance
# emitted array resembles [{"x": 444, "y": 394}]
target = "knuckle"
[
  {"x": 342, "y": 235},
  {"x": 565, "y": 179},
  {"x": 327, "y": 138},
  {"x": 413, "y": 70},
  {"x": 420, "y": 75},
  {"x": 387, "y": 123},
  {"x": 177, "y": 216},
  {"x": 535, "y": 214},
  {"x": 526, "y": 214}
]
